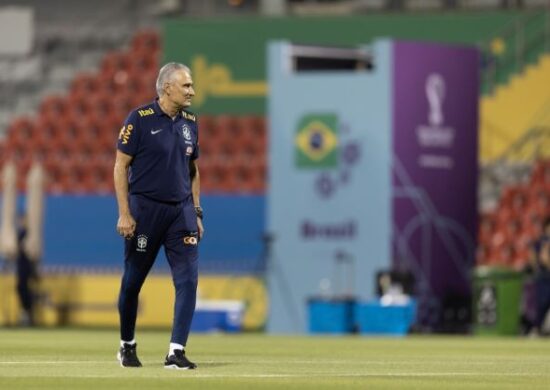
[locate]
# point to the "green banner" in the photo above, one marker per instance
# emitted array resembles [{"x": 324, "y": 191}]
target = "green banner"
[{"x": 227, "y": 57}]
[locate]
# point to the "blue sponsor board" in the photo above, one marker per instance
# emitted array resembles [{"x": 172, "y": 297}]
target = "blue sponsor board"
[{"x": 80, "y": 231}]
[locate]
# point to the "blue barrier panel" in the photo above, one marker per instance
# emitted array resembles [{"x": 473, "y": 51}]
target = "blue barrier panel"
[{"x": 81, "y": 231}]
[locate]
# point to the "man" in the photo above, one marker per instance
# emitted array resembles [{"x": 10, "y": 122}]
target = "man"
[
  {"x": 27, "y": 274},
  {"x": 540, "y": 260},
  {"x": 157, "y": 188}
]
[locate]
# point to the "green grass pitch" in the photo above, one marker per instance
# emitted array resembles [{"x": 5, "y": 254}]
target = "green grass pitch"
[{"x": 85, "y": 359}]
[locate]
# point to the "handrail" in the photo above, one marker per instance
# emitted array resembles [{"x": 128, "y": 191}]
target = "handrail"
[
  {"x": 529, "y": 144},
  {"x": 521, "y": 41}
]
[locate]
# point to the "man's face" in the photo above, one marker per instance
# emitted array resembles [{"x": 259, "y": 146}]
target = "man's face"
[{"x": 181, "y": 88}]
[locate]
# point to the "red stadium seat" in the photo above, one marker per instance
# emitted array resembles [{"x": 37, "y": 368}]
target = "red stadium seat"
[
  {"x": 111, "y": 83},
  {"x": 79, "y": 104},
  {"x": 115, "y": 61},
  {"x": 504, "y": 214},
  {"x": 541, "y": 172},
  {"x": 47, "y": 129},
  {"x": 506, "y": 255},
  {"x": 3, "y": 154},
  {"x": 53, "y": 106},
  {"x": 20, "y": 130},
  {"x": 218, "y": 180},
  {"x": 228, "y": 128},
  {"x": 518, "y": 201},
  {"x": 254, "y": 126},
  {"x": 250, "y": 149},
  {"x": 143, "y": 61},
  {"x": 146, "y": 39},
  {"x": 207, "y": 129},
  {"x": 85, "y": 83},
  {"x": 487, "y": 226},
  {"x": 483, "y": 254}
]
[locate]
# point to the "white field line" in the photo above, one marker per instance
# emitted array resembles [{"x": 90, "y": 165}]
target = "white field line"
[
  {"x": 193, "y": 374},
  {"x": 199, "y": 374},
  {"x": 256, "y": 362}
]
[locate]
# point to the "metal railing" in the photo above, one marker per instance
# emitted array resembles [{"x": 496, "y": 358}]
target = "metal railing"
[
  {"x": 516, "y": 45},
  {"x": 530, "y": 147}
]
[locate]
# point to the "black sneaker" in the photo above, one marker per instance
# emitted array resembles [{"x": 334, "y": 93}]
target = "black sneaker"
[
  {"x": 127, "y": 356},
  {"x": 178, "y": 361}
]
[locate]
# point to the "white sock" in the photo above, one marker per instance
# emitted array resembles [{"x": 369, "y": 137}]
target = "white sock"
[
  {"x": 174, "y": 346},
  {"x": 122, "y": 342}
]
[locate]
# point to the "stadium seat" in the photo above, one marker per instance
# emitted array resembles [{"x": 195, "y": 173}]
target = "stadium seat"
[
  {"x": 504, "y": 214},
  {"x": 3, "y": 155},
  {"x": 209, "y": 131},
  {"x": 53, "y": 106},
  {"x": 253, "y": 126},
  {"x": 206, "y": 126},
  {"x": 20, "y": 129},
  {"x": 206, "y": 151},
  {"x": 146, "y": 39},
  {"x": 483, "y": 254},
  {"x": 115, "y": 61},
  {"x": 47, "y": 129},
  {"x": 539, "y": 199},
  {"x": 85, "y": 83},
  {"x": 486, "y": 227},
  {"x": 228, "y": 129},
  {"x": 111, "y": 83},
  {"x": 219, "y": 179},
  {"x": 79, "y": 104},
  {"x": 518, "y": 200},
  {"x": 143, "y": 61},
  {"x": 541, "y": 172}
]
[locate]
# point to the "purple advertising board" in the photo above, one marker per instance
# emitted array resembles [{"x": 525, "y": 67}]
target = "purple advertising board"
[{"x": 435, "y": 145}]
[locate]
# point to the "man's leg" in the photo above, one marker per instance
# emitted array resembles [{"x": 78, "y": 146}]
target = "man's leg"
[
  {"x": 140, "y": 253},
  {"x": 183, "y": 259},
  {"x": 136, "y": 268},
  {"x": 181, "y": 246},
  {"x": 542, "y": 285},
  {"x": 24, "y": 275}
]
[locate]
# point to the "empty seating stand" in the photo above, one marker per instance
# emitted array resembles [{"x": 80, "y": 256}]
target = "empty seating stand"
[
  {"x": 75, "y": 135},
  {"x": 506, "y": 234}
]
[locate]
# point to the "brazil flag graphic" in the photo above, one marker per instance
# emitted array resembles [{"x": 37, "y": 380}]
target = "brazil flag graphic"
[{"x": 317, "y": 141}]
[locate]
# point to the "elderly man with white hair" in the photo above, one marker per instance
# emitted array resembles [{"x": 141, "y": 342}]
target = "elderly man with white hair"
[{"x": 157, "y": 187}]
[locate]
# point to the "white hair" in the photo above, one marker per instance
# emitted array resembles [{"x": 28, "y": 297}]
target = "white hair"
[{"x": 166, "y": 73}]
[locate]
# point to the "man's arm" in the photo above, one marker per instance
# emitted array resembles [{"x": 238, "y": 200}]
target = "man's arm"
[
  {"x": 126, "y": 223},
  {"x": 545, "y": 254},
  {"x": 195, "y": 191}
]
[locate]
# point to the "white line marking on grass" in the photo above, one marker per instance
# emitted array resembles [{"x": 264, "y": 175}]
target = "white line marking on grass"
[
  {"x": 193, "y": 375},
  {"x": 58, "y": 362}
]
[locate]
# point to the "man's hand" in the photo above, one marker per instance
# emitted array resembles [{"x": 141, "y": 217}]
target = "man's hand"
[
  {"x": 201, "y": 228},
  {"x": 126, "y": 226}
]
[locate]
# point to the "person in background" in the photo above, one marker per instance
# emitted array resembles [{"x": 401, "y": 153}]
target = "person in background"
[
  {"x": 540, "y": 262},
  {"x": 27, "y": 274}
]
